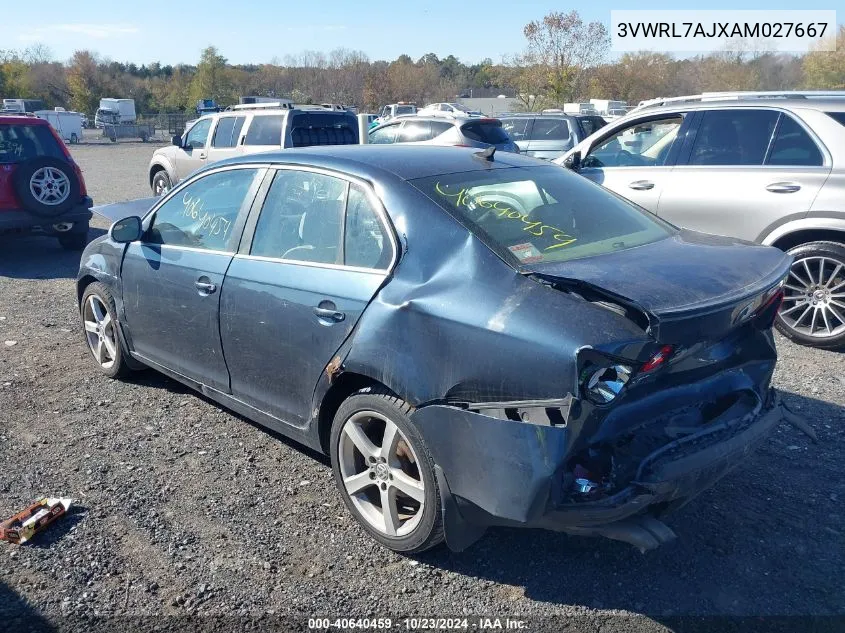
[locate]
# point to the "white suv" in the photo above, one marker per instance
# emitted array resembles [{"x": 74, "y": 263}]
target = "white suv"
[{"x": 236, "y": 132}]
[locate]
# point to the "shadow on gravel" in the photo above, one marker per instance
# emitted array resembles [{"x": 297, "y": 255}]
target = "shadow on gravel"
[
  {"x": 56, "y": 531},
  {"x": 39, "y": 257},
  {"x": 767, "y": 540},
  {"x": 17, "y": 615}
]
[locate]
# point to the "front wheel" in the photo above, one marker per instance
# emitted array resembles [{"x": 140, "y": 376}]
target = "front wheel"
[
  {"x": 385, "y": 473},
  {"x": 99, "y": 323},
  {"x": 813, "y": 310}
]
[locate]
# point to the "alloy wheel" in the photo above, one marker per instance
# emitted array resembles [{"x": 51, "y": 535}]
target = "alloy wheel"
[
  {"x": 814, "y": 297},
  {"x": 380, "y": 474},
  {"x": 49, "y": 186},
  {"x": 100, "y": 332}
]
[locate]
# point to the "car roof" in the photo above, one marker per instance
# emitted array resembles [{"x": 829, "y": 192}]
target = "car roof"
[
  {"x": 370, "y": 162},
  {"x": 26, "y": 119},
  {"x": 822, "y": 104},
  {"x": 539, "y": 115}
]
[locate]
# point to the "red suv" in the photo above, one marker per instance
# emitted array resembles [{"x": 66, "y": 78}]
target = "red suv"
[{"x": 41, "y": 187}]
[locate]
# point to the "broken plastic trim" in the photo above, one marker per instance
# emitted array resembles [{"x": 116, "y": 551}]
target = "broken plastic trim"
[{"x": 553, "y": 412}]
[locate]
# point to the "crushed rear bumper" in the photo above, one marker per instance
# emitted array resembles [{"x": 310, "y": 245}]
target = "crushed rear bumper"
[{"x": 510, "y": 473}]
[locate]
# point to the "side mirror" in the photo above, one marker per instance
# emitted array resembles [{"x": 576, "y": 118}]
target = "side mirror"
[
  {"x": 573, "y": 161},
  {"x": 126, "y": 230},
  {"x": 177, "y": 141}
]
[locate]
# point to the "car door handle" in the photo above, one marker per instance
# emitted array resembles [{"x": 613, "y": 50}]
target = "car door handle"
[
  {"x": 641, "y": 185},
  {"x": 202, "y": 156},
  {"x": 783, "y": 187},
  {"x": 205, "y": 287},
  {"x": 329, "y": 315}
]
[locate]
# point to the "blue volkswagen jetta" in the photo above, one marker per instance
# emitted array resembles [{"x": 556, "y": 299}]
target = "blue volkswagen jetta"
[{"x": 475, "y": 338}]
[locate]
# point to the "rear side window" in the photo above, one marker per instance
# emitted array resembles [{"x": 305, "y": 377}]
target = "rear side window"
[
  {"x": 414, "y": 132},
  {"x": 323, "y": 128},
  {"x": 590, "y": 124},
  {"x": 733, "y": 137},
  {"x": 22, "y": 142},
  {"x": 516, "y": 128},
  {"x": 439, "y": 127},
  {"x": 384, "y": 135},
  {"x": 550, "y": 130},
  {"x": 366, "y": 244},
  {"x": 227, "y": 132},
  {"x": 486, "y": 132},
  {"x": 793, "y": 146},
  {"x": 265, "y": 130}
]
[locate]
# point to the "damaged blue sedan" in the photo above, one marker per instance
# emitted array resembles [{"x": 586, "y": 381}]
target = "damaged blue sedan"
[{"x": 476, "y": 339}]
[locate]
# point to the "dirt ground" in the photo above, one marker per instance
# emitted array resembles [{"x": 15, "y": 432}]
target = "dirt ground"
[{"x": 182, "y": 507}]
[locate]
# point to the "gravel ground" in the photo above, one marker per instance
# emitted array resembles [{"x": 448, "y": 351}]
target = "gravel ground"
[{"x": 183, "y": 508}]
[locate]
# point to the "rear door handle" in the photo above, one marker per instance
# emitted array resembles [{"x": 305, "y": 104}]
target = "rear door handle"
[
  {"x": 641, "y": 185},
  {"x": 205, "y": 287},
  {"x": 329, "y": 315},
  {"x": 783, "y": 187}
]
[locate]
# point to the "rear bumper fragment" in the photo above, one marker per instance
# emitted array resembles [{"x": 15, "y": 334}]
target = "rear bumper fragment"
[
  {"x": 510, "y": 473},
  {"x": 16, "y": 221}
]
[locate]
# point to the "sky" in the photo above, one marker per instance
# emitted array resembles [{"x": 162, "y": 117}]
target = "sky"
[{"x": 257, "y": 31}]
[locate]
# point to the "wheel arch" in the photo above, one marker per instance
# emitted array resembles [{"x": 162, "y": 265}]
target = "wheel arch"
[
  {"x": 157, "y": 167},
  {"x": 81, "y": 284},
  {"x": 343, "y": 386},
  {"x": 805, "y": 236}
]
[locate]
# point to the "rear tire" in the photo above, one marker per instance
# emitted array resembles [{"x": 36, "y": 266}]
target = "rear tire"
[
  {"x": 813, "y": 311},
  {"x": 401, "y": 475},
  {"x": 161, "y": 183}
]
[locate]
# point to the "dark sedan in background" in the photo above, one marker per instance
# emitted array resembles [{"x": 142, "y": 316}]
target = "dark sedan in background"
[{"x": 475, "y": 338}]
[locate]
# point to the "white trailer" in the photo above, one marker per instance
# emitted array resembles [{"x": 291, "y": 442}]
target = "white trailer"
[
  {"x": 609, "y": 106},
  {"x": 579, "y": 108},
  {"x": 68, "y": 125}
]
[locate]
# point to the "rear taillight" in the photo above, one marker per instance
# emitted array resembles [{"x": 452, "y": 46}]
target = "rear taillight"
[
  {"x": 765, "y": 316},
  {"x": 83, "y": 191},
  {"x": 658, "y": 360},
  {"x": 601, "y": 385}
]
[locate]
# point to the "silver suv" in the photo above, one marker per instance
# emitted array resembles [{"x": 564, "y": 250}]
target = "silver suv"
[
  {"x": 760, "y": 167},
  {"x": 246, "y": 131},
  {"x": 431, "y": 130}
]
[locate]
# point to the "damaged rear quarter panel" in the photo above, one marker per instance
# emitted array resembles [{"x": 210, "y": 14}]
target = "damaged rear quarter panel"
[{"x": 456, "y": 323}]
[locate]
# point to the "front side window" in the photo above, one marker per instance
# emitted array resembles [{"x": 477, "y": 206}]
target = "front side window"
[
  {"x": 203, "y": 214},
  {"x": 733, "y": 137},
  {"x": 793, "y": 146},
  {"x": 366, "y": 244},
  {"x": 301, "y": 218},
  {"x": 542, "y": 214},
  {"x": 265, "y": 130},
  {"x": 384, "y": 135},
  {"x": 227, "y": 132},
  {"x": 198, "y": 134},
  {"x": 641, "y": 144}
]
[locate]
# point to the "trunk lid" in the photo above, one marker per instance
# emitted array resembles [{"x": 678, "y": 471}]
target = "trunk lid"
[{"x": 691, "y": 286}]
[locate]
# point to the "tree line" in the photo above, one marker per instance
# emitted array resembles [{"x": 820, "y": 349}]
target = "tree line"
[{"x": 564, "y": 60}]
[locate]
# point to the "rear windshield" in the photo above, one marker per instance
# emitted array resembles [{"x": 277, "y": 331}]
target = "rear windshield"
[
  {"x": 486, "y": 132},
  {"x": 407, "y": 109},
  {"x": 542, "y": 214},
  {"x": 323, "y": 128},
  {"x": 22, "y": 142}
]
